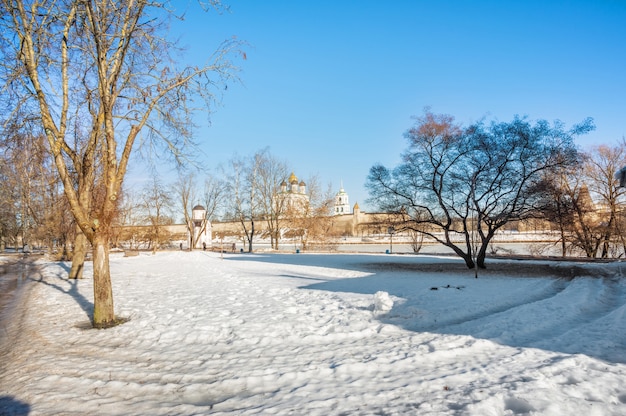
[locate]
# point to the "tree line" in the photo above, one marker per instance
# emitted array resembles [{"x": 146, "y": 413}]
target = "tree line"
[{"x": 246, "y": 191}]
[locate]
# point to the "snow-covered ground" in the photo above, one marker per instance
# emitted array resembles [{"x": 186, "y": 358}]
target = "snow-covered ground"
[{"x": 305, "y": 334}]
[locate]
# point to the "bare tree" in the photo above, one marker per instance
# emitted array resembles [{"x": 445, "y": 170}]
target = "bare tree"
[
  {"x": 29, "y": 191},
  {"x": 558, "y": 208},
  {"x": 467, "y": 183},
  {"x": 602, "y": 164},
  {"x": 245, "y": 206},
  {"x": 586, "y": 231},
  {"x": 185, "y": 187},
  {"x": 588, "y": 203},
  {"x": 585, "y": 204},
  {"x": 110, "y": 64},
  {"x": 270, "y": 174},
  {"x": 127, "y": 218},
  {"x": 157, "y": 205},
  {"x": 58, "y": 226},
  {"x": 11, "y": 222},
  {"x": 312, "y": 222},
  {"x": 214, "y": 195}
]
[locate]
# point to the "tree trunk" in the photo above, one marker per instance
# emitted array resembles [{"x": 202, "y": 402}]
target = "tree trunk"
[
  {"x": 484, "y": 245},
  {"x": 606, "y": 245},
  {"x": 469, "y": 262},
  {"x": 482, "y": 254},
  {"x": 466, "y": 256},
  {"x": 563, "y": 241},
  {"x": 79, "y": 254},
  {"x": 192, "y": 237},
  {"x": 251, "y": 237},
  {"x": 103, "y": 312}
]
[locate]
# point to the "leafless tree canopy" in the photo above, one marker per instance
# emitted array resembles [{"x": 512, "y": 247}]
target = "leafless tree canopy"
[
  {"x": 466, "y": 183},
  {"x": 585, "y": 204}
]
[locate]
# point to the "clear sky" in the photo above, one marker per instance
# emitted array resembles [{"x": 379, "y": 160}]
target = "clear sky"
[{"x": 330, "y": 86}]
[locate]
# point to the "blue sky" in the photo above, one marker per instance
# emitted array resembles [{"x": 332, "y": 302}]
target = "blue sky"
[{"x": 330, "y": 86}]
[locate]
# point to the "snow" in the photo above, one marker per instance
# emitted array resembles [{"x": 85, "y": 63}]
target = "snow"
[
  {"x": 331, "y": 334},
  {"x": 382, "y": 302}
]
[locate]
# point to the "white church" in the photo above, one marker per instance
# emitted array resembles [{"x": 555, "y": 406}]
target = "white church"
[
  {"x": 342, "y": 204},
  {"x": 294, "y": 194}
]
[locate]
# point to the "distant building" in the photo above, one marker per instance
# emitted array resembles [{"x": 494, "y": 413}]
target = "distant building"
[
  {"x": 293, "y": 194},
  {"x": 342, "y": 204},
  {"x": 201, "y": 228}
]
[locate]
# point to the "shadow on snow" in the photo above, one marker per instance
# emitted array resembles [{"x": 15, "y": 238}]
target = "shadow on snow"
[
  {"x": 10, "y": 406},
  {"x": 519, "y": 304}
]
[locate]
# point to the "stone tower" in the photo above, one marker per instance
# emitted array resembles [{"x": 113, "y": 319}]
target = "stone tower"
[{"x": 342, "y": 202}]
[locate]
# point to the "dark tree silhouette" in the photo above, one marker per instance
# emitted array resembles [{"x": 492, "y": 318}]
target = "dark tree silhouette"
[{"x": 460, "y": 185}]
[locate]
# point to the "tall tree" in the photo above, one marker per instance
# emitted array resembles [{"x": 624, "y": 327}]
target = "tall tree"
[
  {"x": 270, "y": 174},
  {"x": 586, "y": 229},
  {"x": 214, "y": 195},
  {"x": 254, "y": 184},
  {"x": 558, "y": 208},
  {"x": 585, "y": 203},
  {"x": 109, "y": 63},
  {"x": 467, "y": 183},
  {"x": 601, "y": 166},
  {"x": 243, "y": 188},
  {"x": 29, "y": 188}
]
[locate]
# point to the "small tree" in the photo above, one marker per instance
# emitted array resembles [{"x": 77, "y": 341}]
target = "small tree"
[
  {"x": 312, "y": 221},
  {"x": 185, "y": 186},
  {"x": 157, "y": 205},
  {"x": 127, "y": 218}
]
